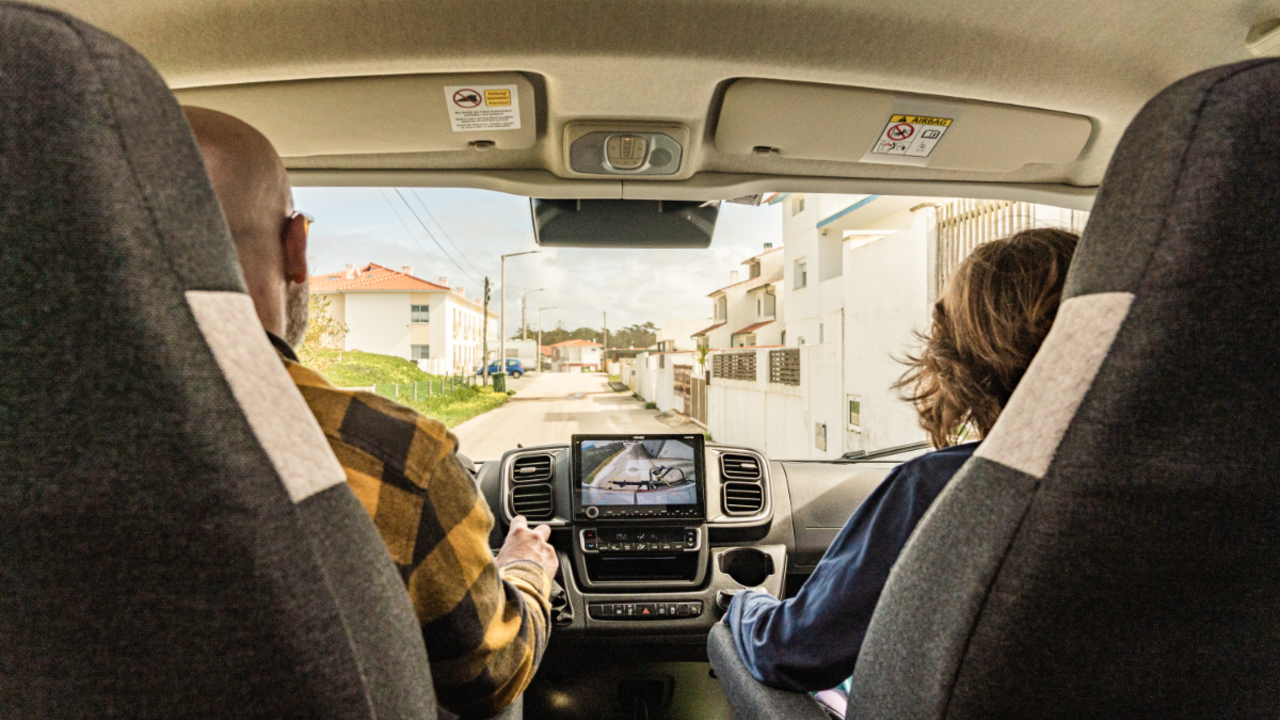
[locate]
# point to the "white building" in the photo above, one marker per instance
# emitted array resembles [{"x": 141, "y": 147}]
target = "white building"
[
  {"x": 678, "y": 334},
  {"x": 526, "y": 351},
  {"x": 747, "y": 310},
  {"x": 391, "y": 312},
  {"x": 860, "y": 279},
  {"x": 576, "y": 356}
]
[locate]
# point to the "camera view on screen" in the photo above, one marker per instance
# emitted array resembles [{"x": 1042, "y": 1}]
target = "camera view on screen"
[{"x": 638, "y": 472}]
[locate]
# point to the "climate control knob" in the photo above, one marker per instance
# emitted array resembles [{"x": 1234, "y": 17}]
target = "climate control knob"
[{"x": 593, "y": 512}]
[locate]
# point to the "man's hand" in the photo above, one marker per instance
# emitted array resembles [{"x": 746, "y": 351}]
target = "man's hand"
[{"x": 523, "y": 543}]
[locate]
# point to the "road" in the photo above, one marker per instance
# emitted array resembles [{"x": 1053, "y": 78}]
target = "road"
[{"x": 553, "y": 407}]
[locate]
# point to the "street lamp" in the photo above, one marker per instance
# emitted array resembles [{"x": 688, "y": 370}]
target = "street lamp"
[
  {"x": 524, "y": 321},
  {"x": 540, "y": 335},
  {"x": 502, "y": 312}
]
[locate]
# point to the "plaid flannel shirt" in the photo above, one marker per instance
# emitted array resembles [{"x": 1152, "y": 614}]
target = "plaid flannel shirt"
[{"x": 485, "y": 627}]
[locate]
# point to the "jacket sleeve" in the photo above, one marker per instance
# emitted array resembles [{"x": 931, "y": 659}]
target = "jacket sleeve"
[
  {"x": 811, "y": 642},
  {"x": 485, "y": 627}
]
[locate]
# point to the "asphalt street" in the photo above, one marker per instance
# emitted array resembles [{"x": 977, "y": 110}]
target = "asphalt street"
[{"x": 550, "y": 409}]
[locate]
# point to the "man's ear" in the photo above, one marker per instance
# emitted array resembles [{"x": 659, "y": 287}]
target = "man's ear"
[{"x": 294, "y": 240}]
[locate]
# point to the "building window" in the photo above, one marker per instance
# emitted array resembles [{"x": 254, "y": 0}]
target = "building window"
[
  {"x": 821, "y": 334},
  {"x": 759, "y": 307},
  {"x": 420, "y": 313},
  {"x": 797, "y": 206},
  {"x": 722, "y": 308},
  {"x": 802, "y": 274},
  {"x": 855, "y": 412},
  {"x": 420, "y": 352}
]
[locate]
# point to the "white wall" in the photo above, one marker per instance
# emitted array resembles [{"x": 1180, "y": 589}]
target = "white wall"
[
  {"x": 378, "y": 323},
  {"x": 886, "y": 301},
  {"x": 780, "y": 420}
]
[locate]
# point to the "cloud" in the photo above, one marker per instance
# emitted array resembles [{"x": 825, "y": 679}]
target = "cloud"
[{"x": 466, "y": 231}]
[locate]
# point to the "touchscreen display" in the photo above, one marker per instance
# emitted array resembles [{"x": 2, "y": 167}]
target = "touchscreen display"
[{"x": 649, "y": 471}]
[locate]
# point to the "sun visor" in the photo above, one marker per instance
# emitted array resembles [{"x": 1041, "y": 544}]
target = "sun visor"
[
  {"x": 384, "y": 114},
  {"x": 847, "y": 124}
]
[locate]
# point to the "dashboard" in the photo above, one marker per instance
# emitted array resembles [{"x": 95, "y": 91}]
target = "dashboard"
[{"x": 656, "y": 533}]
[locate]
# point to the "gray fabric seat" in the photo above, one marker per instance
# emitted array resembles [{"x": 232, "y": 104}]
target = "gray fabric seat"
[
  {"x": 1113, "y": 549},
  {"x": 176, "y": 538}
]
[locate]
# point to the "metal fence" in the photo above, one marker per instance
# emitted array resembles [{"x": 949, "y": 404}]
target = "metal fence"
[
  {"x": 735, "y": 365},
  {"x": 965, "y": 224},
  {"x": 784, "y": 366},
  {"x": 443, "y": 386}
]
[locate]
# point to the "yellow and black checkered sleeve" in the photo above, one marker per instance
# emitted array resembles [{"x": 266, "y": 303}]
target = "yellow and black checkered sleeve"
[{"x": 485, "y": 627}]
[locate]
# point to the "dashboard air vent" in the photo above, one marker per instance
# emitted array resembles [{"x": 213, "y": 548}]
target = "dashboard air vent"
[
  {"x": 532, "y": 501},
  {"x": 736, "y": 466},
  {"x": 741, "y": 488},
  {"x": 532, "y": 468},
  {"x": 741, "y": 498}
]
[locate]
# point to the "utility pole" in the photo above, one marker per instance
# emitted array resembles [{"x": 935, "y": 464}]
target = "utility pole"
[
  {"x": 484, "y": 347},
  {"x": 540, "y": 335},
  {"x": 502, "y": 305},
  {"x": 524, "y": 321},
  {"x": 604, "y": 353}
]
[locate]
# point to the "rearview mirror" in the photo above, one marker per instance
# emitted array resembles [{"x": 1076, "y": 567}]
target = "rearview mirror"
[{"x": 624, "y": 223}]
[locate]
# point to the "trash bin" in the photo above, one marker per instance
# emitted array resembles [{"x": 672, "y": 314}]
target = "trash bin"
[{"x": 499, "y": 382}]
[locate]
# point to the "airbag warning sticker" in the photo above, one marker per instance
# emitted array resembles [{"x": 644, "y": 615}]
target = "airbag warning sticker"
[
  {"x": 483, "y": 107},
  {"x": 911, "y": 135}
]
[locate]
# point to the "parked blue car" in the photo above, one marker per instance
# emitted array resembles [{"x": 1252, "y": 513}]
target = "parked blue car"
[{"x": 515, "y": 368}]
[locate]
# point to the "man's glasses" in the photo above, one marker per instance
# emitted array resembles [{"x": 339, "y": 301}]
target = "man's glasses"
[{"x": 310, "y": 220}]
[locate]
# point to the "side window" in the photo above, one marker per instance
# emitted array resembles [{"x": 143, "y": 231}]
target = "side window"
[
  {"x": 797, "y": 206},
  {"x": 420, "y": 352},
  {"x": 802, "y": 274},
  {"x": 420, "y": 313},
  {"x": 855, "y": 412}
]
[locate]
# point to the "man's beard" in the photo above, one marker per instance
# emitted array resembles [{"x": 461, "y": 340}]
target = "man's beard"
[{"x": 295, "y": 330}]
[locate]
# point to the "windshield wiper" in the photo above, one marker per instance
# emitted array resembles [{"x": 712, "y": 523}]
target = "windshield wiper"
[{"x": 857, "y": 456}]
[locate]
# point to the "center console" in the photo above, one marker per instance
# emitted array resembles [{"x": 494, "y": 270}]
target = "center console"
[{"x": 639, "y": 512}]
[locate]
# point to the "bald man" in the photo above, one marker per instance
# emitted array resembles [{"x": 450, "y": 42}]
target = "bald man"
[{"x": 485, "y": 620}]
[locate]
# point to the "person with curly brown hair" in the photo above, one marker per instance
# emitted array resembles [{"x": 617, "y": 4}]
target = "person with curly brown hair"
[{"x": 987, "y": 326}]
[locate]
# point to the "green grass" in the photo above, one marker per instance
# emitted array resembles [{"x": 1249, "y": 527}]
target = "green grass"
[
  {"x": 458, "y": 407},
  {"x": 362, "y": 369}
]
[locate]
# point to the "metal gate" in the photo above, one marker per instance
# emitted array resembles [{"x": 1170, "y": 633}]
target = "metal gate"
[
  {"x": 700, "y": 399},
  {"x": 684, "y": 376}
]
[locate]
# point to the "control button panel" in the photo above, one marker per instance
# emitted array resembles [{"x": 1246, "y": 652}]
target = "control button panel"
[
  {"x": 631, "y": 512},
  {"x": 640, "y": 541},
  {"x": 645, "y": 611}
]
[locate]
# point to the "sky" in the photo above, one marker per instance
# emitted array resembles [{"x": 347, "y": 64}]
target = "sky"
[{"x": 466, "y": 231}]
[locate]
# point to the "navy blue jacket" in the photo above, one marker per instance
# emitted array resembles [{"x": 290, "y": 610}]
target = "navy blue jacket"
[{"x": 811, "y": 641}]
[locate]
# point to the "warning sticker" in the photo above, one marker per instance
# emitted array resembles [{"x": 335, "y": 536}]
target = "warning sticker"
[
  {"x": 911, "y": 135},
  {"x": 483, "y": 107}
]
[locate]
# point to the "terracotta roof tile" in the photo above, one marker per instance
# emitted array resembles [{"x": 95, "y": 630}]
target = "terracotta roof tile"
[
  {"x": 706, "y": 330},
  {"x": 372, "y": 277},
  {"x": 575, "y": 343},
  {"x": 751, "y": 328}
]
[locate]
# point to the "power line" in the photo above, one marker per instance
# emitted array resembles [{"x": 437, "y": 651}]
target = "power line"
[
  {"x": 412, "y": 237},
  {"x": 432, "y": 236},
  {"x": 444, "y": 232}
]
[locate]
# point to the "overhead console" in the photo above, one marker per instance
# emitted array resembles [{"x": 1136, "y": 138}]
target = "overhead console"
[{"x": 850, "y": 124}]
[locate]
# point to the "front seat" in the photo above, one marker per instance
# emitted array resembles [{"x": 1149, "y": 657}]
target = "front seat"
[
  {"x": 176, "y": 537},
  {"x": 1113, "y": 548}
]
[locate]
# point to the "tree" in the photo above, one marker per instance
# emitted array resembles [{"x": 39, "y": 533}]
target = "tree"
[{"x": 324, "y": 331}]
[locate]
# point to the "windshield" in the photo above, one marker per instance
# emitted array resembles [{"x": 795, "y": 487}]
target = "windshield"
[{"x": 786, "y": 335}]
